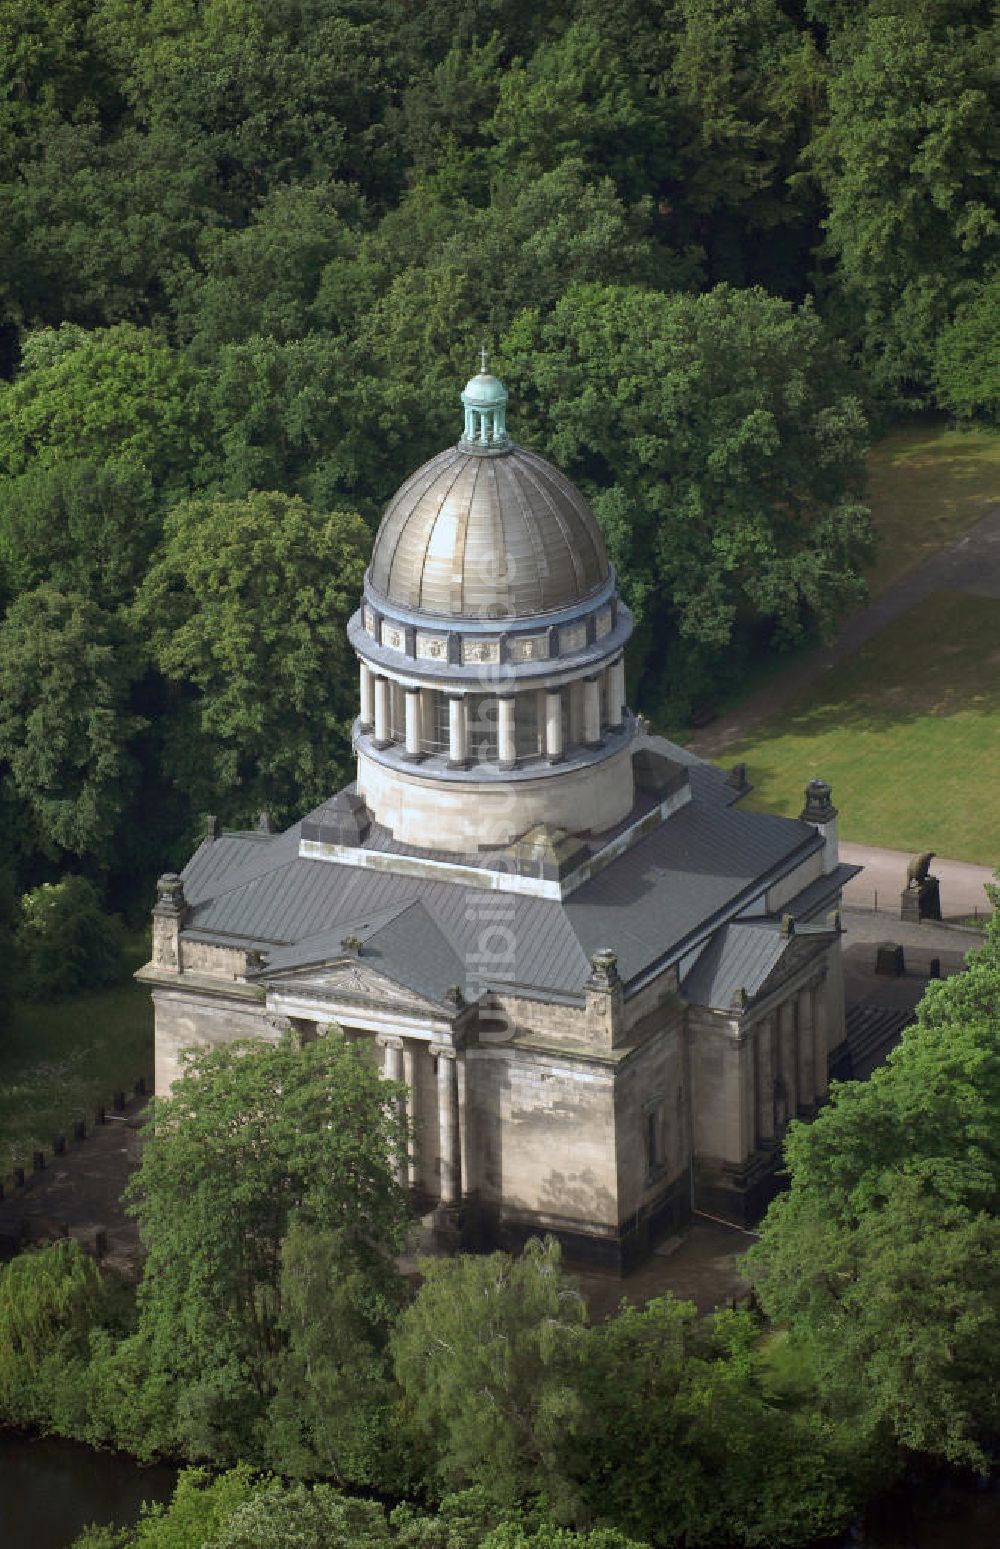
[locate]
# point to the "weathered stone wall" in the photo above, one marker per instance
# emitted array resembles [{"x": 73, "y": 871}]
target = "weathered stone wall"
[
  {"x": 652, "y": 1084},
  {"x": 456, "y": 815},
  {"x": 722, "y": 1087},
  {"x": 185, "y": 1018},
  {"x": 217, "y": 962},
  {"x": 542, "y": 1133}
]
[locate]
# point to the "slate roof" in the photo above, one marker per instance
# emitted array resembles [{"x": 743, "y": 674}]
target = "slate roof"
[
  {"x": 740, "y": 956},
  {"x": 650, "y": 904}
]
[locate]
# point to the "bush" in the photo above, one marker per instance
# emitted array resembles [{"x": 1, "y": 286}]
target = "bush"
[{"x": 65, "y": 942}]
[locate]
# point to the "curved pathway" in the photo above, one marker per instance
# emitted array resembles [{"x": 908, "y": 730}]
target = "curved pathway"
[
  {"x": 970, "y": 564},
  {"x": 962, "y": 884}
]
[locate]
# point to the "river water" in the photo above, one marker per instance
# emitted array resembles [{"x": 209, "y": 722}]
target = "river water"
[{"x": 50, "y": 1490}]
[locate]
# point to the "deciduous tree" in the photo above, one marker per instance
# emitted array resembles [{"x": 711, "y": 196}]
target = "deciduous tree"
[
  {"x": 254, "y": 1141},
  {"x": 245, "y": 609}
]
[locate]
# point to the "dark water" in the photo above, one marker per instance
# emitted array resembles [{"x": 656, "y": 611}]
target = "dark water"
[{"x": 50, "y": 1490}]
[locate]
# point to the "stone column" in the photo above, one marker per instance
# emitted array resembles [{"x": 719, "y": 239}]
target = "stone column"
[
  {"x": 506, "y": 744},
  {"x": 821, "y": 1045},
  {"x": 787, "y": 1063},
  {"x": 413, "y": 751},
  {"x": 764, "y": 1053},
  {"x": 382, "y": 738},
  {"x": 392, "y": 1070},
  {"x": 592, "y": 712},
  {"x": 367, "y": 697},
  {"x": 410, "y": 1077},
  {"x": 447, "y": 1085},
  {"x": 806, "y": 1079},
  {"x": 458, "y": 733},
  {"x": 554, "y": 725},
  {"x": 616, "y": 692}
]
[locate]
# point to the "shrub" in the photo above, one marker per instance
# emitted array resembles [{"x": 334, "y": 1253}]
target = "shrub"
[{"x": 65, "y": 942}]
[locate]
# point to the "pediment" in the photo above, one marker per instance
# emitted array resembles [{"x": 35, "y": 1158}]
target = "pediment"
[{"x": 348, "y": 979}]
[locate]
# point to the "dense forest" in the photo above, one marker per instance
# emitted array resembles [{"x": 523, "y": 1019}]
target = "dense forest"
[{"x": 248, "y": 255}]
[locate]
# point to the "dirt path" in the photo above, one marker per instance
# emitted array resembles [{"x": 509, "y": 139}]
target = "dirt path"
[
  {"x": 79, "y": 1194},
  {"x": 971, "y": 564}
]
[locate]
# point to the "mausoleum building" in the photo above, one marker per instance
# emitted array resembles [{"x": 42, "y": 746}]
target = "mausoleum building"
[{"x": 606, "y": 987}]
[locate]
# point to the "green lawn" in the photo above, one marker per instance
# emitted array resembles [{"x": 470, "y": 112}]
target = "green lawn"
[
  {"x": 907, "y": 732},
  {"x": 927, "y": 486},
  {"x": 60, "y": 1061}
]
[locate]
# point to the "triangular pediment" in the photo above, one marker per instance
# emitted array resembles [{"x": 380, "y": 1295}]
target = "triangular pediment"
[{"x": 349, "y": 979}]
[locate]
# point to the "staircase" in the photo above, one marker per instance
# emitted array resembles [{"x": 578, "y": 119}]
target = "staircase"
[{"x": 871, "y": 1031}]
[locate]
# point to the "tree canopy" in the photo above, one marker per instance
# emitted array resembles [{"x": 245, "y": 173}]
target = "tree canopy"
[{"x": 882, "y": 1257}]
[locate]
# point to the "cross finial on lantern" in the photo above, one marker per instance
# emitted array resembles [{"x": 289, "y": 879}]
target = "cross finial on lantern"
[{"x": 482, "y": 358}]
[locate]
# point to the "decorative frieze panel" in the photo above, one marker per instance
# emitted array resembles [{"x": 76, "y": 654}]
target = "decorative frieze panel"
[
  {"x": 393, "y": 636},
  {"x": 529, "y": 648},
  {"x": 369, "y": 617},
  {"x": 476, "y": 651},
  {"x": 572, "y": 637},
  {"x": 432, "y": 648},
  {"x": 602, "y": 623}
]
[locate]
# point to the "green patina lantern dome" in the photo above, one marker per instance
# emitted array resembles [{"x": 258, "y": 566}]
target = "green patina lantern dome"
[
  {"x": 485, "y": 401},
  {"x": 484, "y": 390}
]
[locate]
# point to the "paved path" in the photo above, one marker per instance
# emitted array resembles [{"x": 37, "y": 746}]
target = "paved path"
[
  {"x": 962, "y": 884},
  {"x": 971, "y": 564}
]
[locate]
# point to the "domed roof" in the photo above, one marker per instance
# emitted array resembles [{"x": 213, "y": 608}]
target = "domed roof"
[
  {"x": 488, "y": 534},
  {"x": 484, "y": 388}
]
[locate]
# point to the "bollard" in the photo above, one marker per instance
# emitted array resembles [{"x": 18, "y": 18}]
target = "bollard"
[
  {"x": 18, "y": 1177},
  {"x": 934, "y": 970},
  {"x": 59, "y": 1145},
  {"x": 79, "y": 1130},
  {"x": 119, "y": 1102},
  {"x": 140, "y": 1087},
  {"x": 38, "y": 1160},
  {"x": 889, "y": 959},
  {"x": 99, "y": 1116},
  {"x": 100, "y": 1242}
]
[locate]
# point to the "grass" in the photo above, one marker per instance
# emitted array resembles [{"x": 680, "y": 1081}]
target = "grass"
[
  {"x": 64, "y": 1059},
  {"x": 907, "y": 732},
  {"x": 927, "y": 486}
]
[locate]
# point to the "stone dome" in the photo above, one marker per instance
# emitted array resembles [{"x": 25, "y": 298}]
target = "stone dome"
[{"x": 488, "y": 532}]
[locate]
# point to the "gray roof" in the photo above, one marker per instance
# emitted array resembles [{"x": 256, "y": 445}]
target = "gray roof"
[
  {"x": 499, "y": 536},
  {"x": 659, "y": 898},
  {"x": 739, "y": 957}
]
